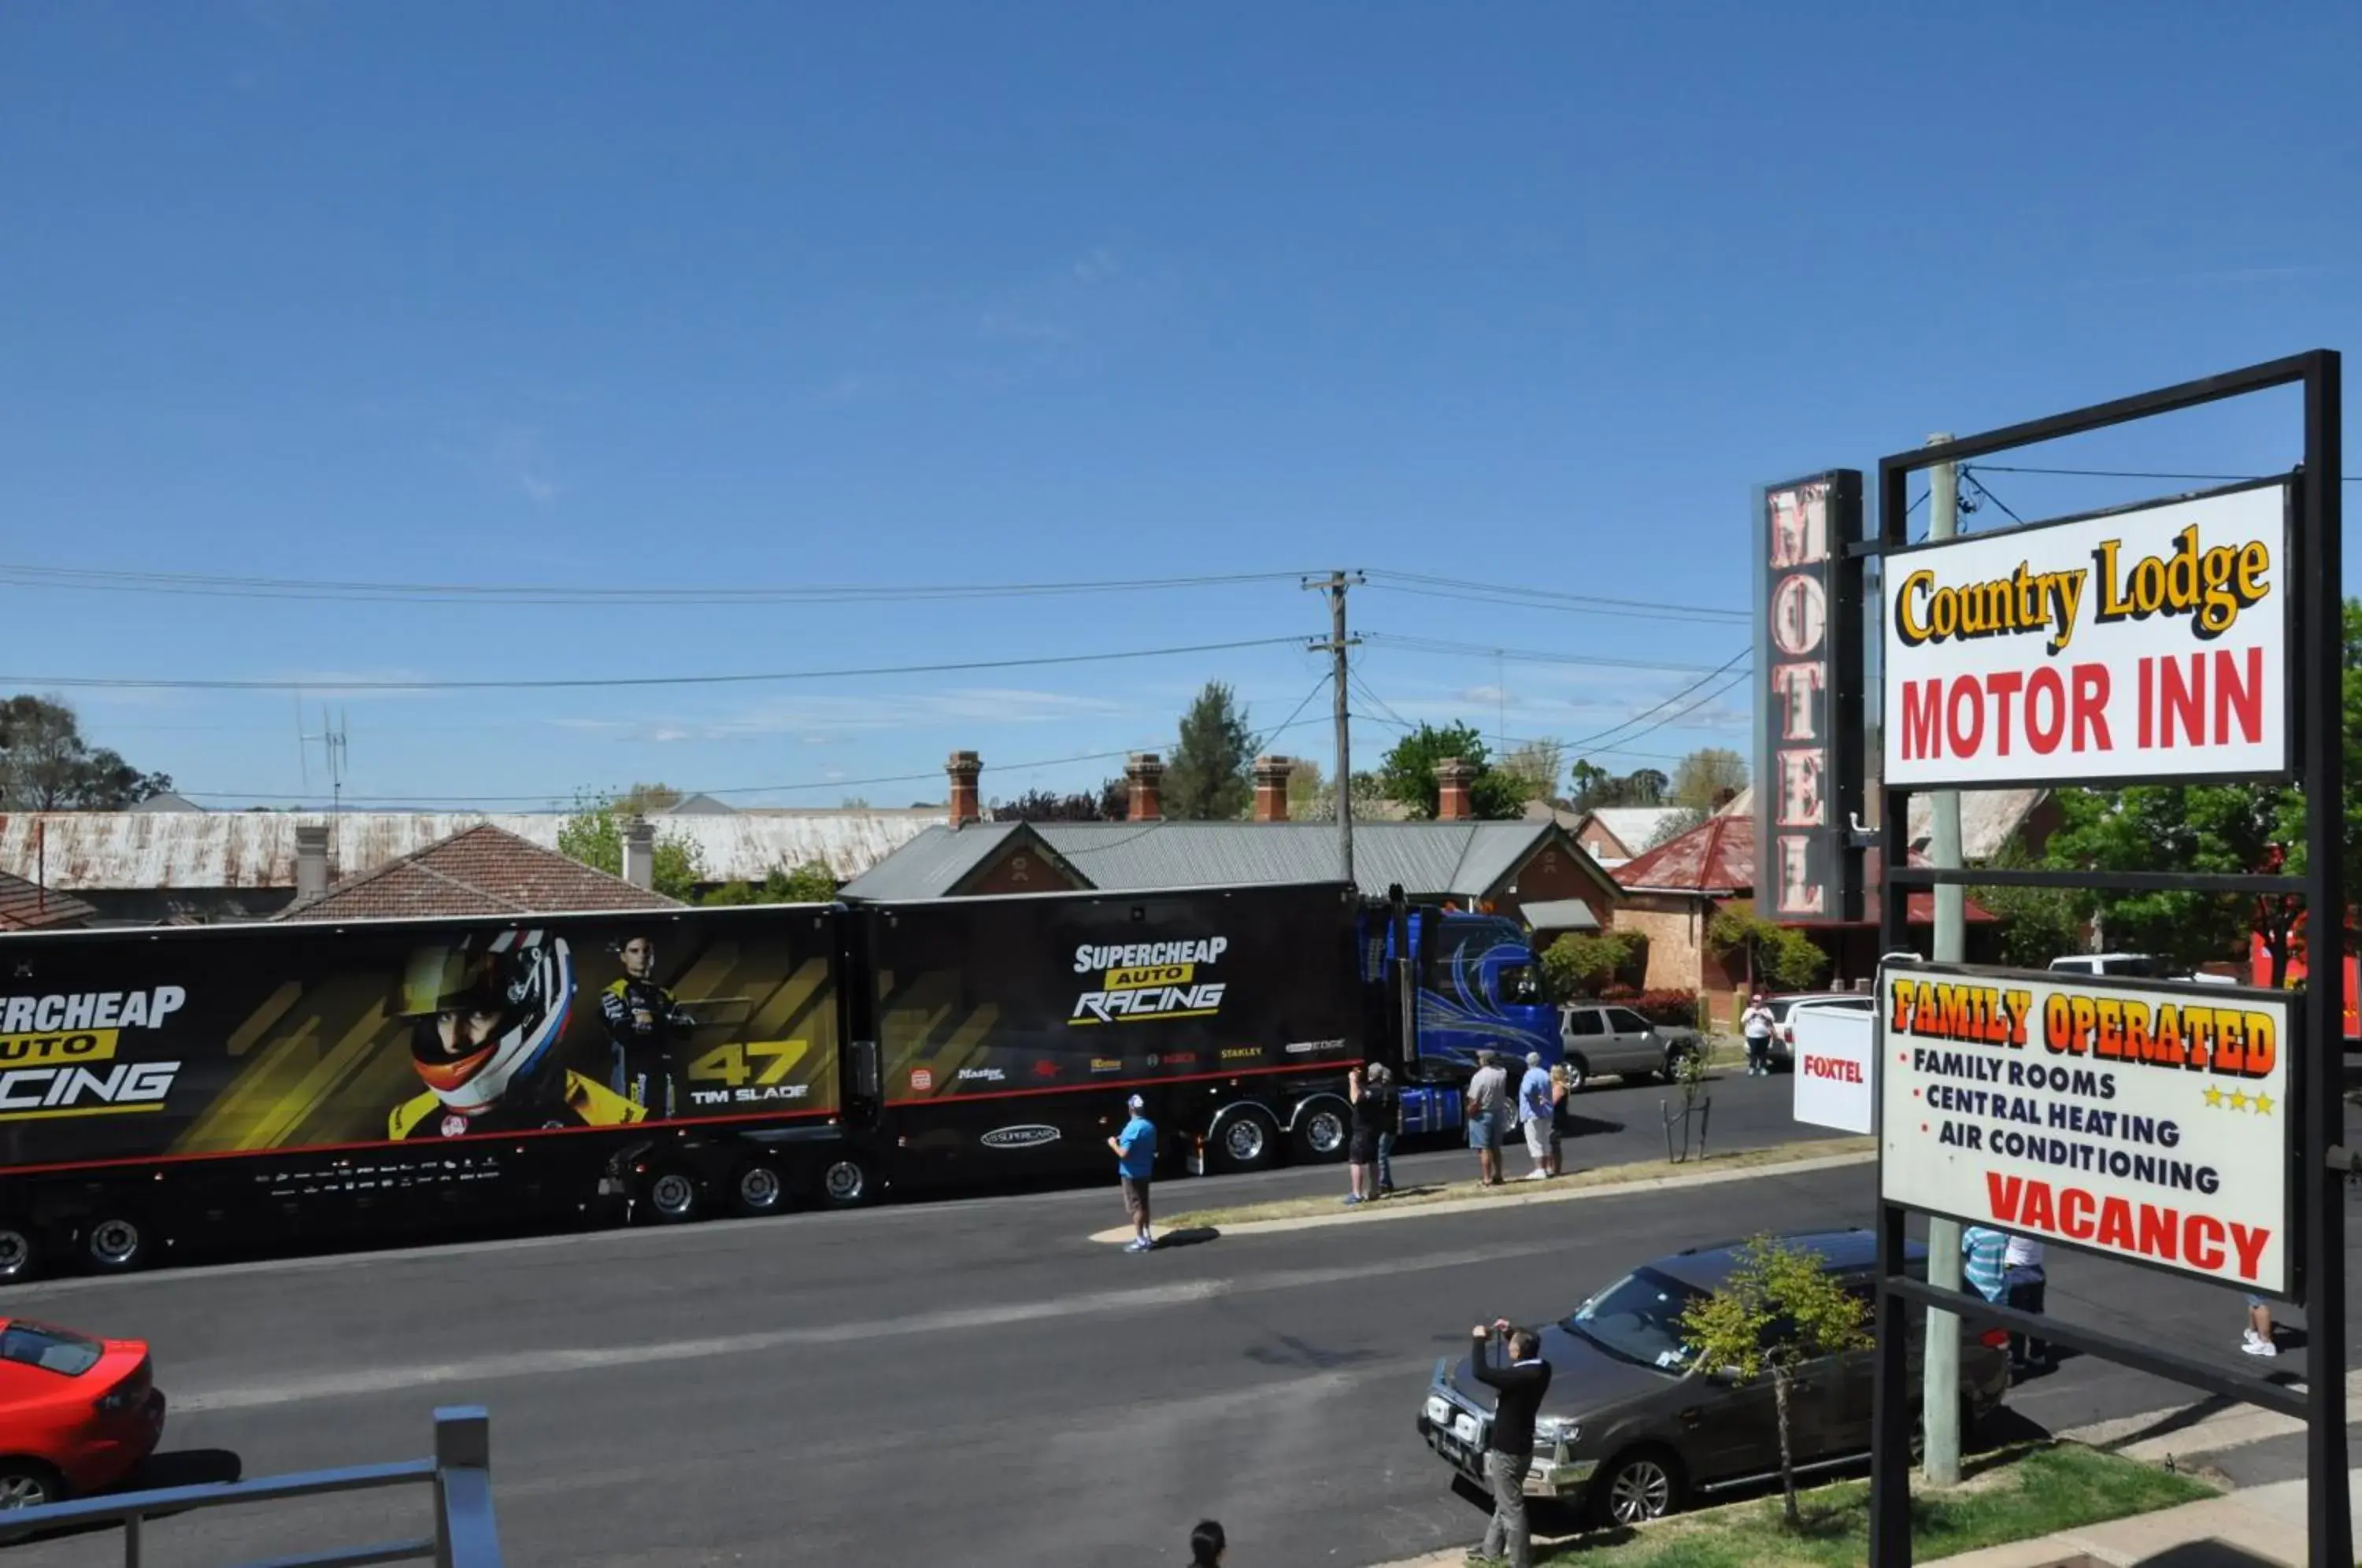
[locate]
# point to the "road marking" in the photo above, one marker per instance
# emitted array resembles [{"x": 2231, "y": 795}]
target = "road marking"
[{"x": 546, "y": 1363}]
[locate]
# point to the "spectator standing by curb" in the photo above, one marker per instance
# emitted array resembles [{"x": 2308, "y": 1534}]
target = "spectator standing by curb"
[
  {"x": 1390, "y": 1121},
  {"x": 1755, "y": 1024},
  {"x": 1518, "y": 1388},
  {"x": 2258, "y": 1340},
  {"x": 1362, "y": 1141},
  {"x": 1982, "y": 1249},
  {"x": 1534, "y": 1115},
  {"x": 1135, "y": 1162},
  {"x": 1561, "y": 1118},
  {"x": 2023, "y": 1277},
  {"x": 1489, "y": 1097}
]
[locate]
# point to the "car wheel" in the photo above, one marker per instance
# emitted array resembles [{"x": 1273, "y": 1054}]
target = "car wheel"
[
  {"x": 672, "y": 1197},
  {"x": 845, "y": 1183},
  {"x": 1320, "y": 1136},
  {"x": 1639, "y": 1487},
  {"x": 1578, "y": 1072},
  {"x": 760, "y": 1189},
  {"x": 1248, "y": 1142},
  {"x": 20, "y": 1255},
  {"x": 28, "y": 1483},
  {"x": 116, "y": 1244}
]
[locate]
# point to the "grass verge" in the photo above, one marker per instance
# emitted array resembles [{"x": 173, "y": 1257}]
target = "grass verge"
[
  {"x": 2013, "y": 1495},
  {"x": 1605, "y": 1176}
]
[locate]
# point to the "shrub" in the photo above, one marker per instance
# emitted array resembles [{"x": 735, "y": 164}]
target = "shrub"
[{"x": 1582, "y": 964}]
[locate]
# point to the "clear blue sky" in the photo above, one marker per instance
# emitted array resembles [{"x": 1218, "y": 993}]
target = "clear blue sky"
[{"x": 749, "y": 295}]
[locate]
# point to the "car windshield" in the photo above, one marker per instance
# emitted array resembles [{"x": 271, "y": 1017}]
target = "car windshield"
[
  {"x": 51, "y": 1349},
  {"x": 1639, "y": 1318}
]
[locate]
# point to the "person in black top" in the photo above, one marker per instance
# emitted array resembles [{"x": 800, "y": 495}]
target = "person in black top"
[
  {"x": 1373, "y": 1114},
  {"x": 1519, "y": 1389},
  {"x": 1388, "y": 1114}
]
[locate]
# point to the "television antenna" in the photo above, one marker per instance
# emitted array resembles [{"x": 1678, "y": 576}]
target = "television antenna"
[{"x": 331, "y": 740}]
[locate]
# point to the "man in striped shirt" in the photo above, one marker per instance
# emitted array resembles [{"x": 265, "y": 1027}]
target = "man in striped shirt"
[{"x": 1982, "y": 1252}]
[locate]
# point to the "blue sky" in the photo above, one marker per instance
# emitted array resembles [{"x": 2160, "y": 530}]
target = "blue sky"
[{"x": 604, "y": 296}]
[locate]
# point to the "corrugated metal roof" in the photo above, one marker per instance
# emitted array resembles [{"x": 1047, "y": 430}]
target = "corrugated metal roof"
[
  {"x": 1635, "y": 826},
  {"x": 122, "y": 850},
  {"x": 1716, "y": 857},
  {"x": 931, "y": 864}
]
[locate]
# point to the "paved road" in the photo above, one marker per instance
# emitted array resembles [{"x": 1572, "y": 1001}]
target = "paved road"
[{"x": 967, "y": 1383}]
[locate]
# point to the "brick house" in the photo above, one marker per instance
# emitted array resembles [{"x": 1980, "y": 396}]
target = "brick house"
[{"x": 482, "y": 870}]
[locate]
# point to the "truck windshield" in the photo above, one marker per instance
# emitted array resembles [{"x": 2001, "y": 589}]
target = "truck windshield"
[
  {"x": 1518, "y": 984},
  {"x": 1639, "y": 1318}
]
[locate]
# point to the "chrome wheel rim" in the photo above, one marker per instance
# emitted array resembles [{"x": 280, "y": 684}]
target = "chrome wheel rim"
[
  {"x": 1576, "y": 1074},
  {"x": 16, "y": 1251},
  {"x": 1244, "y": 1139},
  {"x": 760, "y": 1187},
  {"x": 844, "y": 1181},
  {"x": 672, "y": 1194},
  {"x": 22, "y": 1492},
  {"x": 1325, "y": 1131},
  {"x": 115, "y": 1241},
  {"x": 1642, "y": 1492}
]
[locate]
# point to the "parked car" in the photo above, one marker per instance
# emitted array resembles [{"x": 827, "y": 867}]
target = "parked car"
[
  {"x": 76, "y": 1414},
  {"x": 1785, "y": 1007},
  {"x": 2126, "y": 966},
  {"x": 1632, "y": 1429},
  {"x": 1601, "y": 1037}
]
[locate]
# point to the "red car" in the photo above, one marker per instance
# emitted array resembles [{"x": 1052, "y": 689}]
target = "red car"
[{"x": 76, "y": 1414}]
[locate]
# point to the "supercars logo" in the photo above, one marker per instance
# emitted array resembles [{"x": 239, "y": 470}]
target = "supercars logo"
[
  {"x": 1029, "y": 1137},
  {"x": 1149, "y": 980}
]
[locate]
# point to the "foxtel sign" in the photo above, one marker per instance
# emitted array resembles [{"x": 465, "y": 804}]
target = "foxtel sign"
[{"x": 2146, "y": 644}]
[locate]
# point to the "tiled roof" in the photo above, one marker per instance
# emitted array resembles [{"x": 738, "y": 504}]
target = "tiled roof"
[
  {"x": 1424, "y": 858},
  {"x": 28, "y": 906},
  {"x": 482, "y": 870},
  {"x": 1716, "y": 857}
]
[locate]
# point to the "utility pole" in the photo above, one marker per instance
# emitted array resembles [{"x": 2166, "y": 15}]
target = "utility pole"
[
  {"x": 1940, "y": 1406},
  {"x": 1334, "y": 585}
]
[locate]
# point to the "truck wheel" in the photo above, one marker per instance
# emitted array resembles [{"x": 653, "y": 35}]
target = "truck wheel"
[
  {"x": 844, "y": 1184},
  {"x": 760, "y": 1189},
  {"x": 116, "y": 1244},
  {"x": 1248, "y": 1142},
  {"x": 672, "y": 1197},
  {"x": 20, "y": 1255},
  {"x": 1320, "y": 1136}
]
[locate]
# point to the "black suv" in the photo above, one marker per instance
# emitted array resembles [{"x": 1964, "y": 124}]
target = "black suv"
[{"x": 1631, "y": 1428}]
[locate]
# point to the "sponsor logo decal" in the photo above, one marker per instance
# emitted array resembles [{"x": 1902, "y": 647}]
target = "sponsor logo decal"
[
  {"x": 1241, "y": 1053},
  {"x": 1177, "y": 1059},
  {"x": 1045, "y": 1068},
  {"x": 1106, "y": 1065},
  {"x": 454, "y": 1126},
  {"x": 57, "y": 1053},
  {"x": 1143, "y": 981},
  {"x": 1314, "y": 1047},
  {"x": 922, "y": 1079},
  {"x": 1027, "y": 1137},
  {"x": 982, "y": 1076}
]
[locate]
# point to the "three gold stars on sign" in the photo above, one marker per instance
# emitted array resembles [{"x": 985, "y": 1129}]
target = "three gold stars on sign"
[{"x": 2239, "y": 1100}]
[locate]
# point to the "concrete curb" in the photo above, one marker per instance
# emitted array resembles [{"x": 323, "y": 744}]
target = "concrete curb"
[{"x": 1374, "y": 1213}]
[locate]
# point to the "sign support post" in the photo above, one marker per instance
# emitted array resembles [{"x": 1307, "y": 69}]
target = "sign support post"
[{"x": 2275, "y": 712}]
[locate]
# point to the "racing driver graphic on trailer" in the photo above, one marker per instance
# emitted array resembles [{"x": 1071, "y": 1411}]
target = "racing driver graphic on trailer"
[
  {"x": 487, "y": 1013},
  {"x": 643, "y": 1021}
]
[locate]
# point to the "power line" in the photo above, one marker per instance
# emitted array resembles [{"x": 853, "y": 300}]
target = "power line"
[
  {"x": 462, "y": 800},
  {"x": 116, "y": 581},
  {"x": 167, "y": 683},
  {"x": 1970, "y": 474},
  {"x": 1526, "y": 656},
  {"x": 1401, "y": 723},
  {"x": 1502, "y": 593},
  {"x": 1710, "y": 675}
]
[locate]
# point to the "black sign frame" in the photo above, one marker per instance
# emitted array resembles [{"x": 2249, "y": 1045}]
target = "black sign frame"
[{"x": 2316, "y": 567}]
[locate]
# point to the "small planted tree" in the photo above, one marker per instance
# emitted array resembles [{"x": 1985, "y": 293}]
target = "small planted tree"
[{"x": 1779, "y": 1311}]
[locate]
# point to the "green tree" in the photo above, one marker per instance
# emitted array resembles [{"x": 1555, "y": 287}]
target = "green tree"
[
  {"x": 2036, "y": 924},
  {"x": 810, "y": 883},
  {"x": 1582, "y": 964},
  {"x": 1780, "y": 1310},
  {"x": 593, "y": 834},
  {"x": 1591, "y": 785},
  {"x": 1778, "y": 957},
  {"x": 1700, "y": 779},
  {"x": 1536, "y": 766},
  {"x": 647, "y": 800},
  {"x": 2212, "y": 828},
  {"x": 1209, "y": 776},
  {"x": 47, "y": 765},
  {"x": 1406, "y": 773}
]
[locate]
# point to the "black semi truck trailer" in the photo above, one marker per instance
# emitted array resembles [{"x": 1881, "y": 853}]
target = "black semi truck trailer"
[{"x": 165, "y": 1090}]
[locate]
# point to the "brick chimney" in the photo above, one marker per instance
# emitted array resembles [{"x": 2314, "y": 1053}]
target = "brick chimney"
[
  {"x": 1271, "y": 776},
  {"x": 311, "y": 859},
  {"x": 640, "y": 851},
  {"x": 1145, "y": 773},
  {"x": 964, "y": 770},
  {"x": 1455, "y": 778}
]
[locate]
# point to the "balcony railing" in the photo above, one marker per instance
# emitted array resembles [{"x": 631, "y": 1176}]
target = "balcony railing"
[{"x": 460, "y": 1475}]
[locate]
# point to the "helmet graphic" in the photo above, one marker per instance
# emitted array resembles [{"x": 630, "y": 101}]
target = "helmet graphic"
[{"x": 488, "y": 1009}]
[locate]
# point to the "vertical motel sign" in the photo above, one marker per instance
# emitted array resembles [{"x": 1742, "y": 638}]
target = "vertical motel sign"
[{"x": 1808, "y": 684}]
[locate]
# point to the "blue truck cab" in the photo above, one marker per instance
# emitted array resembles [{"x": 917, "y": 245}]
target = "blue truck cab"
[{"x": 1471, "y": 983}]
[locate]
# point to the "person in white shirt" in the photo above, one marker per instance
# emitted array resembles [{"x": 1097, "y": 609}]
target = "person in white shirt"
[
  {"x": 2021, "y": 1279},
  {"x": 1755, "y": 1024}
]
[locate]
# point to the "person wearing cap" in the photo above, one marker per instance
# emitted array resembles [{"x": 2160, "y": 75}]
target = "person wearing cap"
[
  {"x": 1135, "y": 1162},
  {"x": 1534, "y": 1114}
]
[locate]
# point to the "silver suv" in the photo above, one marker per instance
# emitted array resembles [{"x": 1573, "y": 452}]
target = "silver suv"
[{"x": 1601, "y": 1037}]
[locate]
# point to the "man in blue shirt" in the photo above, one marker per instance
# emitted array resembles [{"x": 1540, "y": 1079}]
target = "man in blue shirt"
[
  {"x": 1534, "y": 1113},
  {"x": 1982, "y": 1249},
  {"x": 1135, "y": 1162}
]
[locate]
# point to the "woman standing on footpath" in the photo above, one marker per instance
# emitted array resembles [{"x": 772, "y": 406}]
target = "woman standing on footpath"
[
  {"x": 1371, "y": 1113},
  {"x": 1387, "y": 1112},
  {"x": 1562, "y": 1124}
]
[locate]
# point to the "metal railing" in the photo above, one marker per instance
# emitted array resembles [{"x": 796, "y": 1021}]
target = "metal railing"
[{"x": 460, "y": 1474}]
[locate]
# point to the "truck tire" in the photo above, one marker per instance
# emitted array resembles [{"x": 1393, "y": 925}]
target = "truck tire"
[
  {"x": 672, "y": 1195},
  {"x": 1321, "y": 1133},
  {"x": 760, "y": 1188},
  {"x": 117, "y": 1242},
  {"x": 21, "y": 1252},
  {"x": 1248, "y": 1140},
  {"x": 844, "y": 1183}
]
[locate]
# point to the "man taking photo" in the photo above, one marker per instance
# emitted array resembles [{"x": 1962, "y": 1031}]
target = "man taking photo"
[{"x": 1520, "y": 1385}]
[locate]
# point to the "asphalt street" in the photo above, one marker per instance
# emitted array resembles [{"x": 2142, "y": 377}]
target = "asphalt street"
[{"x": 958, "y": 1383}]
